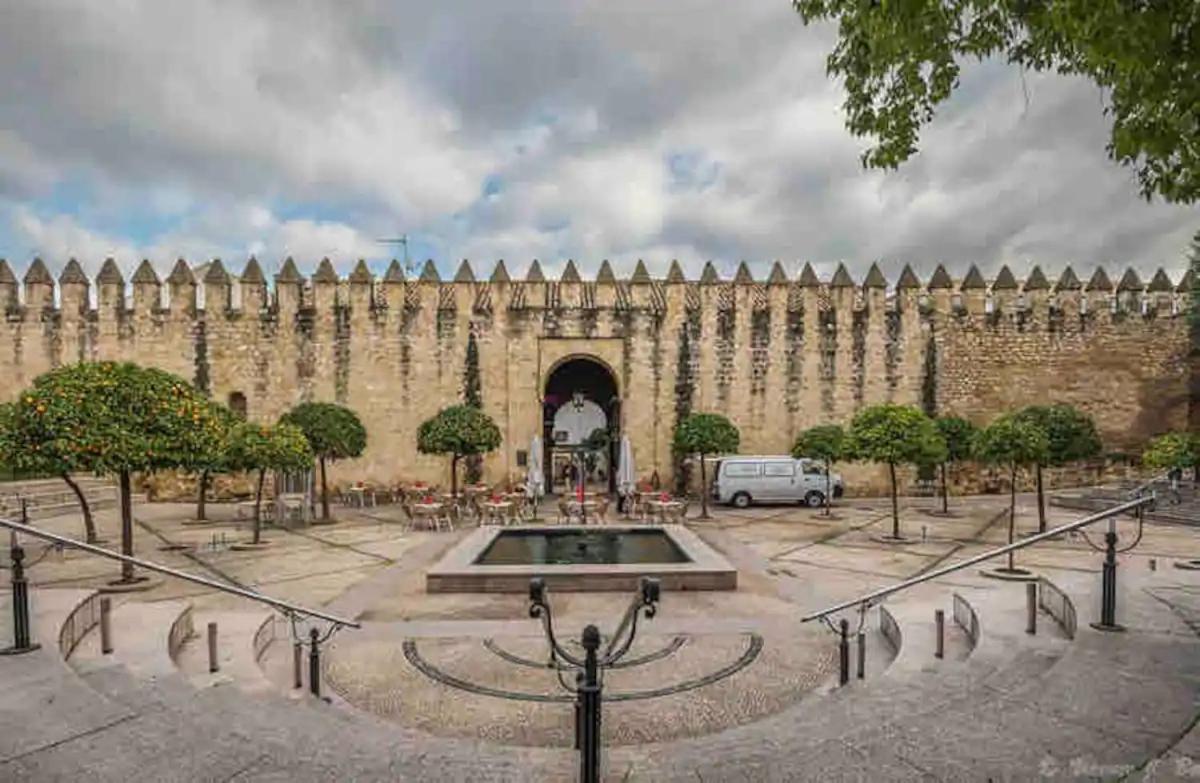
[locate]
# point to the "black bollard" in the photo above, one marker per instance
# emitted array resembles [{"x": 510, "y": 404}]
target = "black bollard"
[
  {"x": 589, "y": 694},
  {"x": 298, "y": 664},
  {"x": 1108, "y": 584},
  {"x": 20, "y": 599},
  {"x": 844, "y": 652},
  {"x": 939, "y": 624},
  {"x": 314, "y": 662},
  {"x": 862, "y": 655}
]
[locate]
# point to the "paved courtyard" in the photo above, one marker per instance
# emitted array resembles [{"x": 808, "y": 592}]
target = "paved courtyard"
[{"x": 472, "y": 666}]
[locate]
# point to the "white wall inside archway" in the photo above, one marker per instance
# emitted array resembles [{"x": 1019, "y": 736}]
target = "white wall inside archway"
[{"x": 578, "y": 424}]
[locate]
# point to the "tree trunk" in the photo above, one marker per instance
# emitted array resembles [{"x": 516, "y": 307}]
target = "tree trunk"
[
  {"x": 89, "y": 524},
  {"x": 1041, "y": 502},
  {"x": 324, "y": 494},
  {"x": 828, "y": 486},
  {"x": 1012, "y": 513},
  {"x": 201, "y": 500},
  {"x": 945, "y": 492},
  {"x": 703, "y": 490},
  {"x": 262, "y": 475},
  {"x": 895, "y": 504},
  {"x": 454, "y": 477},
  {"x": 126, "y": 527}
]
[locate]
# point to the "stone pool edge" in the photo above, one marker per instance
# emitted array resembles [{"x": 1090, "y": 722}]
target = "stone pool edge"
[{"x": 457, "y": 571}]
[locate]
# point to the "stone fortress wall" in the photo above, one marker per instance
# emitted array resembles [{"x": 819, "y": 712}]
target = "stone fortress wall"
[{"x": 776, "y": 356}]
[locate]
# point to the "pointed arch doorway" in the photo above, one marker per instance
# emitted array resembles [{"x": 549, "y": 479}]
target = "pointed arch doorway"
[{"x": 580, "y": 402}]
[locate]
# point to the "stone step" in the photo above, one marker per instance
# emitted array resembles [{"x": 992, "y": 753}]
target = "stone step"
[
  {"x": 236, "y": 655},
  {"x": 43, "y": 702}
]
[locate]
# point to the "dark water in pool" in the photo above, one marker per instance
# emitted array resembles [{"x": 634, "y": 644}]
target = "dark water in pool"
[{"x": 576, "y": 547}]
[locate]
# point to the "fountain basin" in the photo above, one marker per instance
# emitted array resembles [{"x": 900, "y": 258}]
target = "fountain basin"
[{"x": 580, "y": 558}]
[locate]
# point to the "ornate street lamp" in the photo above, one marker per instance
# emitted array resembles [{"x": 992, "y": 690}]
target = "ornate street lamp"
[{"x": 588, "y": 677}]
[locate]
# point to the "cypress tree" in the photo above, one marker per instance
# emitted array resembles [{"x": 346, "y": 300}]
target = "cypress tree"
[{"x": 473, "y": 396}]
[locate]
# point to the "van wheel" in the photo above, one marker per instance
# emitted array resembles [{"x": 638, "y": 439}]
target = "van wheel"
[
  {"x": 740, "y": 500},
  {"x": 814, "y": 499}
]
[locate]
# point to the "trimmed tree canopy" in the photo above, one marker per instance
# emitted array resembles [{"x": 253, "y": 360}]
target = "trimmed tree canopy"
[
  {"x": 1012, "y": 440},
  {"x": 957, "y": 433},
  {"x": 826, "y": 442},
  {"x": 706, "y": 433},
  {"x": 280, "y": 446},
  {"x": 898, "y": 61},
  {"x": 1070, "y": 433},
  {"x": 1173, "y": 451},
  {"x": 107, "y": 417},
  {"x": 459, "y": 430},
  {"x": 333, "y": 431},
  {"x": 895, "y": 434}
]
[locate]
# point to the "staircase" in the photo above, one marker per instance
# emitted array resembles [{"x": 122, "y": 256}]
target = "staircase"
[
  {"x": 1004, "y": 706},
  {"x": 45, "y": 498}
]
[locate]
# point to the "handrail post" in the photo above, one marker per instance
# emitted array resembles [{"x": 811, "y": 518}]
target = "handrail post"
[
  {"x": 298, "y": 664},
  {"x": 314, "y": 662},
  {"x": 20, "y": 600},
  {"x": 843, "y": 651},
  {"x": 1108, "y": 584}
]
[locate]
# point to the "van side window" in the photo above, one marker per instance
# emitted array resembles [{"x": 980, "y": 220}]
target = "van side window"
[
  {"x": 741, "y": 469},
  {"x": 779, "y": 469},
  {"x": 814, "y": 469}
]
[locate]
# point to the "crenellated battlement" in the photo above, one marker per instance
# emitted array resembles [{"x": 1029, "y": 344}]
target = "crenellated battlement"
[
  {"x": 211, "y": 289},
  {"x": 776, "y": 355}
]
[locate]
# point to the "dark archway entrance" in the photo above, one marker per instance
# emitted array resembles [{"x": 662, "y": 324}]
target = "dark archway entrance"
[{"x": 580, "y": 397}]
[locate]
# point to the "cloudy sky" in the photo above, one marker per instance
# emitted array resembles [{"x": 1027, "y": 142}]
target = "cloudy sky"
[{"x": 550, "y": 129}]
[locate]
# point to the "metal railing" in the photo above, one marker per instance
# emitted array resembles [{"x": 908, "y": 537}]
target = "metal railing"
[
  {"x": 283, "y": 606},
  {"x": 1141, "y": 489},
  {"x": 890, "y": 629},
  {"x": 1058, "y": 605},
  {"x": 966, "y": 619},
  {"x": 868, "y": 599},
  {"x": 82, "y": 619},
  {"x": 182, "y": 629}
]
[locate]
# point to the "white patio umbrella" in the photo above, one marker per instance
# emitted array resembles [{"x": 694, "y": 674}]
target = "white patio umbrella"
[
  {"x": 535, "y": 476},
  {"x": 626, "y": 478}
]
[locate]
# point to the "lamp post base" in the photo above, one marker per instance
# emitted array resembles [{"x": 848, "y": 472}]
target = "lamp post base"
[
  {"x": 1113, "y": 628},
  {"x": 20, "y": 650}
]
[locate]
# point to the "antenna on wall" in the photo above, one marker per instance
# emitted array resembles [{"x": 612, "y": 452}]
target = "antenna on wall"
[{"x": 401, "y": 240}]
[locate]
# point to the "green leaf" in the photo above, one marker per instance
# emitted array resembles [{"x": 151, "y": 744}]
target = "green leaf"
[
  {"x": 333, "y": 431},
  {"x": 706, "y": 433}
]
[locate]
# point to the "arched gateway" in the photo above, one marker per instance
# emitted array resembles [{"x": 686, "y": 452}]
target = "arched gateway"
[{"x": 580, "y": 403}]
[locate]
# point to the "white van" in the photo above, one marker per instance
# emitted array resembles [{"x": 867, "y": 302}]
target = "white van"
[{"x": 741, "y": 481}]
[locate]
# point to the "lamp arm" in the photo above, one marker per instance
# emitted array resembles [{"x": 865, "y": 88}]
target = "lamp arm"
[
  {"x": 610, "y": 657},
  {"x": 542, "y": 610},
  {"x": 630, "y": 616}
]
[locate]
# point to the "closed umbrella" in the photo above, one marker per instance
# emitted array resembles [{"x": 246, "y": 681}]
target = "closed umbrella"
[
  {"x": 535, "y": 476},
  {"x": 626, "y": 478}
]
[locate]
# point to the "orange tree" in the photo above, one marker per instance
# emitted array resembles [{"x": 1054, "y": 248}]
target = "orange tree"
[
  {"x": 264, "y": 447},
  {"x": 958, "y": 434},
  {"x": 15, "y": 454},
  {"x": 460, "y": 431},
  {"x": 333, "y": 433},
  {"x": 895, "y": 435},
  {"x": 826, "y": 442},
  {"x": 211, "y": 455},
  {"x": 111, "y": 418},
  {"x": 703, "y": 434}
]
